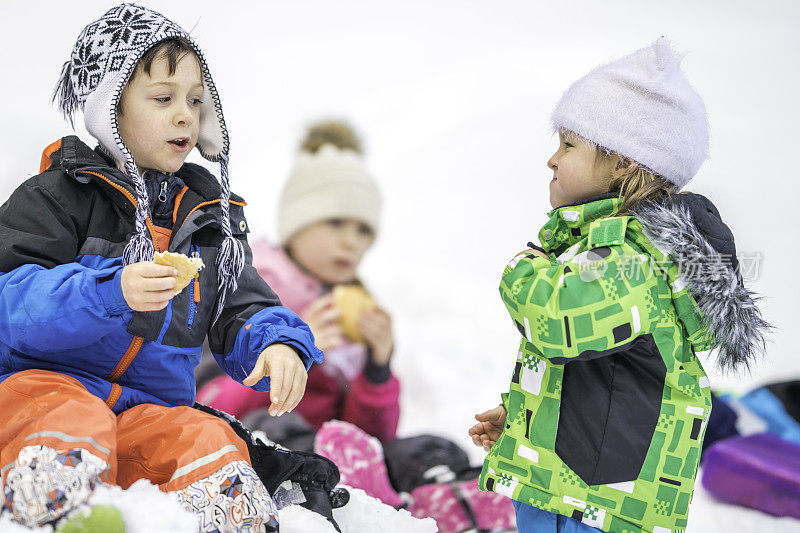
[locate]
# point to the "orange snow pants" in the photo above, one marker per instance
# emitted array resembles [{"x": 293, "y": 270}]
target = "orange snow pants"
[{"x": 171, "y": 446}]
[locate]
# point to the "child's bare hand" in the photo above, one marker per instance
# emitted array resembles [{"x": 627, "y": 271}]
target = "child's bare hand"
[
  {"x": 287, "y": 377},
  {"x": 489, "y": 427},
  {"x": 530, "y": 251},
  {"x": 375, "y": 325},
  {"x": 147, "y": 286},
  {"x": 322, "y": 316}
]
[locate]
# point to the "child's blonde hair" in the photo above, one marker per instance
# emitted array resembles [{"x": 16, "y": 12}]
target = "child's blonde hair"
[{"x": 638, "y": 185}]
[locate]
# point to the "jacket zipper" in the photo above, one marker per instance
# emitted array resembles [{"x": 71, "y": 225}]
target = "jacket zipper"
[
  {"x": 127, "y": 359},
  {"x": 194, "y": 291}
]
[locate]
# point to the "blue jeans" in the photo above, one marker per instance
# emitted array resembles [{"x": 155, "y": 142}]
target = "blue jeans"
[{"x": 533, "y": 520}]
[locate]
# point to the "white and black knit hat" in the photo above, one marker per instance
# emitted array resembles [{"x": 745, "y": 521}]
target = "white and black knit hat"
[
  {"x": 102, "y": 62},
  {"x": 641, "y": 107}
]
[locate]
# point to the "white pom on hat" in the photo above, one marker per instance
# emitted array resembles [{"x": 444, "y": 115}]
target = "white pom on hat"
[{"x": 641, "y": 107}]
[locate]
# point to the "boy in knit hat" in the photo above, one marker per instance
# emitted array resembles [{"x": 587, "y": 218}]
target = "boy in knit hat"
[
  {"x": 603, "y": 423},
  {"x": 97, "y": 346}
]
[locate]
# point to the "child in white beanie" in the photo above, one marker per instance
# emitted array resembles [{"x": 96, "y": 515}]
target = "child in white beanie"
[
  {"x": 328, "y": 219},
  {"x": 603, "y": 423}
]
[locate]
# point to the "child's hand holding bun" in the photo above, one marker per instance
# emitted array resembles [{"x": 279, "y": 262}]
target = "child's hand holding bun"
[
  {"x": 147, "y": 286},
  {"x": 349, "y": 312},
  {"x": 150, "y": 285},
  {"x": 322, "y": 316},
  {"x": 375, "y": 326},
  {"x": 363, "y": 321},
  {"x": 188, "y": 267},
  {"x": 351, "y": 300}
]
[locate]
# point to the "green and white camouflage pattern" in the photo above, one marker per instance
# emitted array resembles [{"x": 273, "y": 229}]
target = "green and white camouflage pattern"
[{"x": 578, "y": 301}]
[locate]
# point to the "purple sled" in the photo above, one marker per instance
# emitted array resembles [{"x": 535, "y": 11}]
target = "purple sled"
[{"x": 758, "y": 471}]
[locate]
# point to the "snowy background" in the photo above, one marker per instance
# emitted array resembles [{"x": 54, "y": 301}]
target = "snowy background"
[{"x": 452, "y": 99}]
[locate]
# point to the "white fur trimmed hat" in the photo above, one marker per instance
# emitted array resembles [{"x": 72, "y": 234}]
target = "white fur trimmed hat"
[
  {"x": 328, "y": 181},
  {"x": 641, "y": 107}
]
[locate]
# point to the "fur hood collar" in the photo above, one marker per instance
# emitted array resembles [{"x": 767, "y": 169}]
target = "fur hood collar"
[{"x": 688, "y": 228}]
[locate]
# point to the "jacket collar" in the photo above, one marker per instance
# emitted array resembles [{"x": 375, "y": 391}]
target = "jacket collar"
[
  {"x": 83, "y": 164},
  {"x": 569, "y": 223},
  {"x": 687, "y": 229}
]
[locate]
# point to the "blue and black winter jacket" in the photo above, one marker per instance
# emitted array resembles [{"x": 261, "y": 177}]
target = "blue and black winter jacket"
[{"x": 62, "y": 234}]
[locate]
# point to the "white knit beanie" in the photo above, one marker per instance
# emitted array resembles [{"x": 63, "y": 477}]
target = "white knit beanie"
[
  {"x": 102, "y": 62},
  {"x": 331, "y": 182},
  {"x": 641, "y": 107}
]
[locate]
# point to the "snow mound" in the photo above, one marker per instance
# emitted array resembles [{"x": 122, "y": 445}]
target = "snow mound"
[
  {"x": 362, "y": 513},
  {"x": 296, "y": 519},
  {"x": 9, "y": 526},
  {"x": 145, "y": 509},
  {"x": 365, "y": 513}
]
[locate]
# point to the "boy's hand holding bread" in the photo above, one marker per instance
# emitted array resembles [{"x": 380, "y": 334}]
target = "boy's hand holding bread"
[{"x": 150, "y": 285}]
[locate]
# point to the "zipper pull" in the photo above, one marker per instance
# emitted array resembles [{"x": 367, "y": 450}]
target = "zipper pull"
[
  {"x": 196, "y": 255},
  {"x": 162, "y": 196}
]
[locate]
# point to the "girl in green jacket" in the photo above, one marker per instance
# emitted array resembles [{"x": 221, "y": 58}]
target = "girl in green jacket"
[{"x": 634, "y": 282}]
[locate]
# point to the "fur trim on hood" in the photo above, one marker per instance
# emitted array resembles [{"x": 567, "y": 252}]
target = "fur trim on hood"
[{"x": 688, "y": 227}]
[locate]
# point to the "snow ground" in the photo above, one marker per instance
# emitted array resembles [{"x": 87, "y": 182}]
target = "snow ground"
[
  {"x": 145, "y": 509},
  {"x": 365, "y": 514},
  {"x": 452, "y": 98},
  {"x": 707, "y": 515}
]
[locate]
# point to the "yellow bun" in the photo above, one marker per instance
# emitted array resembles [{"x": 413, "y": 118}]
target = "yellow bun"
[
  {"x": 351, "y": 300},
  {"x": 188, "y": 267}
]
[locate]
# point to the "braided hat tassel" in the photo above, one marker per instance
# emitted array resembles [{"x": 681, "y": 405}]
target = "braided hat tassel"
[
  {"x": 139, "y": 247},
  {"x": 230, "y": 260}
]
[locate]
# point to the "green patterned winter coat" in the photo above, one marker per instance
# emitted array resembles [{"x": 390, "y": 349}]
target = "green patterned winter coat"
[{"x": 608, "y": 401}]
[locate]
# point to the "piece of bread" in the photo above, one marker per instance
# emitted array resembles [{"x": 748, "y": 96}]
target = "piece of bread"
[
  {"x": 188, "y": 267},
  {"x": 351, "y": 300}
]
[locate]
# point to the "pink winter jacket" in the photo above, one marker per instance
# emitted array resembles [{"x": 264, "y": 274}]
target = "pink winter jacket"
[{"x": 337, "y": 389}]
